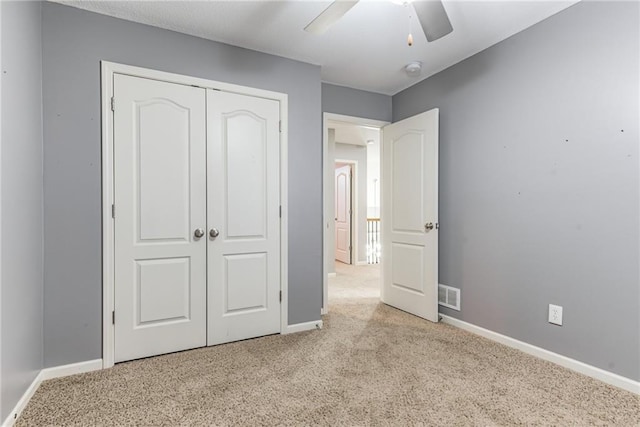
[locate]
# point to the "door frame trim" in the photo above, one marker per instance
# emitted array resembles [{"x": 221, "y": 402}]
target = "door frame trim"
[
  {"x": 108, "y": 69},
  {"x": 328, "y": 176}
]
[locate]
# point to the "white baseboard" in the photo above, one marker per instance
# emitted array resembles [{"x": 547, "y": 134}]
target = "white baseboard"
[
  {"x": 301, "y": 327},
  {"x": 362, "y": 263},
  {"x": 575, "y": 365},
  {"x": 47, "y": 374},
  {"x": 331, "y": 274},
  {"x": 24, "y": 400},
  {"x": 72, "y": 369}
]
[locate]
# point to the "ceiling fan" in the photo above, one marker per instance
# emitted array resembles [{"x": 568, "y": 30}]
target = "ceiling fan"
[{"x": 431, "y": 14}]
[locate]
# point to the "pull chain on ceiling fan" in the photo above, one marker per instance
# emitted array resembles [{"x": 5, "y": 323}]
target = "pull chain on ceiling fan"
[
  {"x": 431, "y": 14},
  {"x": 410, "y": 36}
]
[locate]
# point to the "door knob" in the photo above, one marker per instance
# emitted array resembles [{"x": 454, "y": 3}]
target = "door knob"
[
  {"x": 214, "y": 232},
  {"x": 198, "y": 233},
  {"x": 428, "y": 227}
]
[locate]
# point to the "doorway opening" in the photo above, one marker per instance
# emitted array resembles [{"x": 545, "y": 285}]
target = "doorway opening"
[{"x": 352, "y": 184}]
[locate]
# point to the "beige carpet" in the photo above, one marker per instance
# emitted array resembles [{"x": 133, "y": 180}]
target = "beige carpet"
[
  {"x": 370, "y": 365},
  {"x": 359, "y": 282}
]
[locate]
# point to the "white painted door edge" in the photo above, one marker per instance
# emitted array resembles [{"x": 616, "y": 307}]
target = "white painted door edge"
[
  {"x": 564, "y": 361},
  {"x": 47, "y": 374},
  {"x": 108, "y": 69},
  {"x": 327, "y": 173}
]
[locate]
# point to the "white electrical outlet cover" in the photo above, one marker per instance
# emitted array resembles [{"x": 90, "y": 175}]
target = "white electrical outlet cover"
[{"x": 555, "y": 314}]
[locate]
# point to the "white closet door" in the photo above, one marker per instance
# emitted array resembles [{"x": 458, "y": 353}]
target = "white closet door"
[
  {"x": 243, "y": 188},
  {"x": 160, "y": 201},
  {"x": 410, "y": 215}
]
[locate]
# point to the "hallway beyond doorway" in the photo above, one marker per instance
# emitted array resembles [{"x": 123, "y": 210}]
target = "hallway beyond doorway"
[{"x": 355, "y": 282}]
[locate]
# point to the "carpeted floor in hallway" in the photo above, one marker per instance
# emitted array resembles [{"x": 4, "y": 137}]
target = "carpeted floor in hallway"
[{"x": 370, "y": 365}]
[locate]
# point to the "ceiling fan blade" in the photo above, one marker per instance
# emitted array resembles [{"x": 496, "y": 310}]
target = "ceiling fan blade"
[
  {"x": 433, "y": 18},
  {"x": 330, "y": 16}
]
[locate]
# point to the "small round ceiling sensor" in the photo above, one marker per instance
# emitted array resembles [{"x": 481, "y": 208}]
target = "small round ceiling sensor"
[{"x": 413, "y": 69}]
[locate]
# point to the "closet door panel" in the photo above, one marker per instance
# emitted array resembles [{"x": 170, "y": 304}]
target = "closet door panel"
[
  {"x": 160, "y": 199},
  {"x": 243, "y": 182},
  {"x": 245, "y": 163}
]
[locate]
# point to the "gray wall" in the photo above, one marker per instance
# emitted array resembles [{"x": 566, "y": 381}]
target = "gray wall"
[
  {"x": 74, "y": 43},
  {"x": 21, "y": 201},
  {"x": 355, "y": 103},
  {"x": 356, "y": 153},
  {"x": 539, "y": 183}
]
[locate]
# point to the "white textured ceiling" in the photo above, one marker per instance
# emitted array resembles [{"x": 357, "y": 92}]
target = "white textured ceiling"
[{"x": 366, "y": 49}]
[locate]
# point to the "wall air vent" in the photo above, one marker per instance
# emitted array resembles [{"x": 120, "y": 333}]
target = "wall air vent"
[{"x": 449, "y": 297}]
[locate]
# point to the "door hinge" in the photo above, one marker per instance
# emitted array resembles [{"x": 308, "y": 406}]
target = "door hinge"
[
  {"x": 113, "y": 317},
  {"x": 280, "y": 126},
  {"x": 113, "y": 211},
  {"x": 280, "y": 211},
  {"x": 113, "y": 104},
  {"x": 280, "y": 296}
]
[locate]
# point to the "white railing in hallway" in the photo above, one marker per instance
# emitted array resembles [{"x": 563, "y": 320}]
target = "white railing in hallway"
[{"x": 373, "y": 240}]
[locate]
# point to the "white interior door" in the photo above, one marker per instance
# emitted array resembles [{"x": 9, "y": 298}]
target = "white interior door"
[
  {"x": 243, "y": 217},
  {"x": 160, "y": 201},
  {"x": 343, "y": 214},
  {"x": 410, "y": 215}
]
